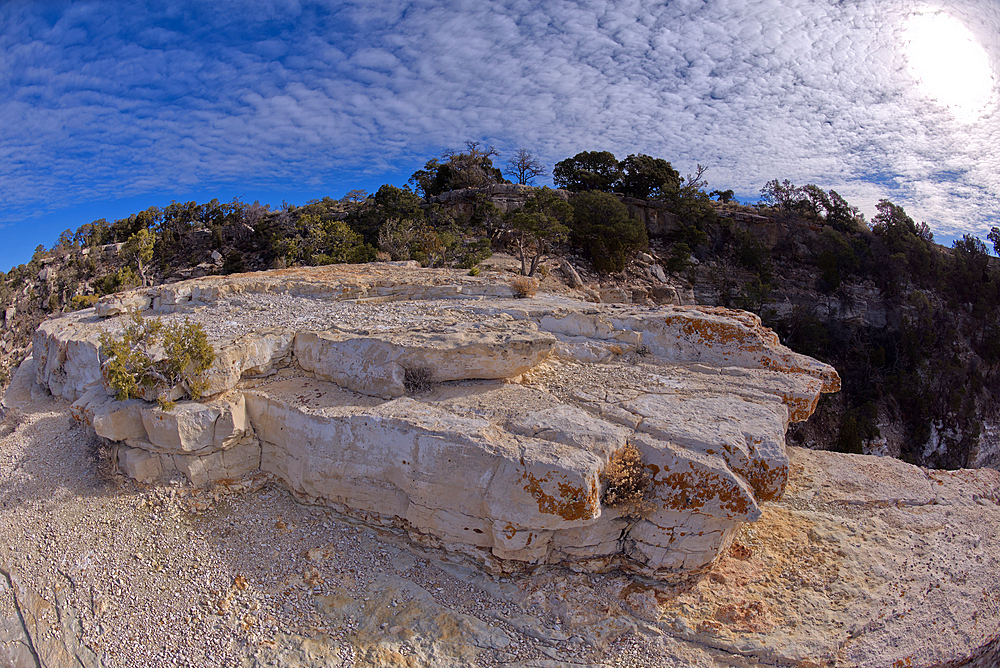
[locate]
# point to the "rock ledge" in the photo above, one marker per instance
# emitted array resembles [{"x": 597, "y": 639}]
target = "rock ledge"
[{"x": 439, "y": 405}]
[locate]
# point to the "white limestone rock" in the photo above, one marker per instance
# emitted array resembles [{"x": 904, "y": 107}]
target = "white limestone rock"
[
  {"x": 377, "y": 365},
  {"x": 748, "y": 435},
  {"x": 257, "y": 354},
  {"x": 474, "y": 463},
  {"x": 66, "y": 352},
  {"x": 123, "y": 302},
  {"x": 139, "y": 464},
  {"x": 570, "y": 425},
  {"x": 673, "y": 541},
  {"x": 195, "y": 427},
  {"x": 233, "y": 463},
  {"x": 686, "y": 480},
  {"x": 110, "y": 419}
]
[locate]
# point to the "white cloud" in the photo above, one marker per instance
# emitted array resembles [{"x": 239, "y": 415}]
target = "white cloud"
[{"x": 118, "y": 100}]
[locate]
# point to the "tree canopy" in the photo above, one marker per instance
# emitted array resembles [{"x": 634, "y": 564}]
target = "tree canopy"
[
  {"x": 524, "y": 167},
  {"x": 645, "y": 177},
  {"x": 541, "y": 222},
  {"x": 603, "y": 228},
  {"x": 472, "y": 168},
  {"x": 588, "y": 170}
]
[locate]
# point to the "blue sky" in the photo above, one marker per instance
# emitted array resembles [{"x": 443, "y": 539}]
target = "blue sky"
[{"x": 109, "y": 107}]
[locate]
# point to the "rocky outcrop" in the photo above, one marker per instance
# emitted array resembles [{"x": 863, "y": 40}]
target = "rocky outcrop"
[
  {"x": 658, "y": 220},
  {"x": 866, "y": 561},
  {"x": 506, "y": 196},
  {"x": 440, "y": 406}
]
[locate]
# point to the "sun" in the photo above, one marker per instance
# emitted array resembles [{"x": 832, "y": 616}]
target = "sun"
[{"x": 948, "y": 63}]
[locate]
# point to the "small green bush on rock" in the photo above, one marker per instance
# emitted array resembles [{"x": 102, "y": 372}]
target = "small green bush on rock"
[
  {"x": 130, "y": 367},
  {"x": 79, "y": 302}
]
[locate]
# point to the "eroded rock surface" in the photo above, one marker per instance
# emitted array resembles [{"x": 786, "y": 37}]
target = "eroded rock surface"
[
  {"x": 438, "y": 405},
  {"x": 864, "y": 563}
]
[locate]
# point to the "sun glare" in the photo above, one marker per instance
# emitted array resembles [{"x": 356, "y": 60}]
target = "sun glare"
[{"x": 949, "y": 64}]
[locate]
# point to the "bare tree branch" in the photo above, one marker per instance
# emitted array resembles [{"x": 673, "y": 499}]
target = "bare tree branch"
[{"x": 525, "y": 167}]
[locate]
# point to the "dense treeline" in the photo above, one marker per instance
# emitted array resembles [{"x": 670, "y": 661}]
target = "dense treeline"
[{"x": 933, "y": 366}]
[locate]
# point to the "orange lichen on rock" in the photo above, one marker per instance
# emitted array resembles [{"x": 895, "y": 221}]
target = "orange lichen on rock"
[
  {"x": 767, "y": 483},
  {"x": 799, "y": 407},
  {"x": 735, "y": 334},
  {"x": 574, "y": 502},
  {"x": 710, "y": 333},
  {"x": 682, "y": 490},
  {"x": 684, "y": 484}
]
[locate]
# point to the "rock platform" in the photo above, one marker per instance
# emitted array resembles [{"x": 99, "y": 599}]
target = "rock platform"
[{"x": 439, "y": 405}]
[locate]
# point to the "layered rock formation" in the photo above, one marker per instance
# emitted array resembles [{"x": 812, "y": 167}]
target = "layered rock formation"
[{"x": 439, "y": 405}]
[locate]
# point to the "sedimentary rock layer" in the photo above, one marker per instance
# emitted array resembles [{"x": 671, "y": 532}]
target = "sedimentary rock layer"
[{"x": 473, "y": 421}]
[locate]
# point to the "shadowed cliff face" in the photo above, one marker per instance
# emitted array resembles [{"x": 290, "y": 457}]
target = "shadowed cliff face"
[{"x": 499, "y": 454}]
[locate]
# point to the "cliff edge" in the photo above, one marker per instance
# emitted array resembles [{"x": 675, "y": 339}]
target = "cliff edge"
[
  {"x": 472, "y": 420},
  {"x": 760, "y": 555}
]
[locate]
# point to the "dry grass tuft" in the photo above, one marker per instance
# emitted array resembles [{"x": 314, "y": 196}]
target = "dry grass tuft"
[
  {"x": 417, "y": 379},
  {"x": 524, "y": 286},
  {"x": 105, "y": 466},
  {"x": 10, "y": 420},
  {"x": 627, "y": 483}
]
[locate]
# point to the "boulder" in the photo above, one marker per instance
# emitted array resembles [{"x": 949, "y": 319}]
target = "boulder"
[
  {"x": 66, "y": 352},
  {"x": 140, "y": 464},
  {"x": 664, "y": 294},
  {"x": 109, "y": 418},
  {"x": 119, "y": 303},
  {"x": 615, "y": 295},
  {"x": 658, "y": 273}
]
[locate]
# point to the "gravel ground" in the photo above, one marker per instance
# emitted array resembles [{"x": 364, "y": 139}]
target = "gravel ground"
[{"x": 243, "y": 575}]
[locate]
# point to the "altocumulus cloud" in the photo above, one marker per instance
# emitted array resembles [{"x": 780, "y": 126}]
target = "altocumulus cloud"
[{"x": 103, "y": 100}]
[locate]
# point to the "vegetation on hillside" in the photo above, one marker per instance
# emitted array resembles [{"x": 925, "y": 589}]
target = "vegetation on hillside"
[
  {"x": 799, "y": 258},
  {"x": 932, "y": 368}
]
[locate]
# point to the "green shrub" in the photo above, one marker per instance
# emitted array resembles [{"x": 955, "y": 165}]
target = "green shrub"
[
  {"x": 128, "y": 363},
  {"x": 752, "y": 254},
  {"x": 474, "y": 253},
  {"x": 233, "y": 263},
  {"x": 189, "y": 355},
  {"x": 603, "y": 228},
  {"x": 122, "y": 279},
  {"x": 857, "y": 425},
  {"x": 129, "y": 368},
  {"x": 679, "y": 258},
  {"x": 80, "y": 302}
]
